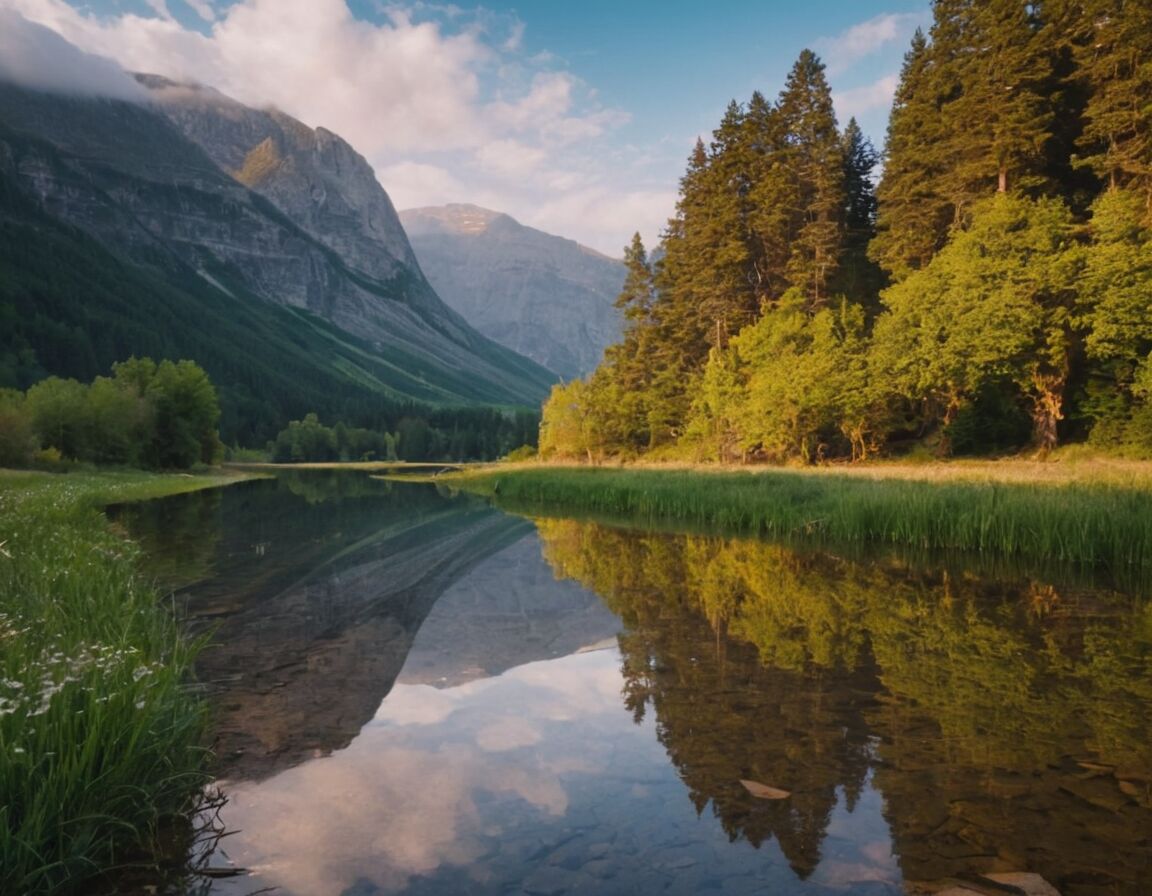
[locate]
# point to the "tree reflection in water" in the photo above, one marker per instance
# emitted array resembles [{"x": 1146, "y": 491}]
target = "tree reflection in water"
[{"x": 1004, "y": 721}]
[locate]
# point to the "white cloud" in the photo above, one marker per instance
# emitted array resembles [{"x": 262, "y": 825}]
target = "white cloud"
[
  {"x": 160, "y": 7},
  {"x": 405, "y": 797},
  {"x": 610, "y": 215},
  {"x": 859, "y": 101},
  {"x": 36, "y": 56},
  {"x": 866, "y": 38},
  {"x": 447, "y": 104},
  {"x": 510, "y": 157},
  {"x": 415, "y": 184}
]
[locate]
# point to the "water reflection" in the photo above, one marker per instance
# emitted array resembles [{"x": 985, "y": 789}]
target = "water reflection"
[
  {"x": 1006, "y": 721},
  {"x": 532, "y": 782},
  {"x": 432, "y": 654},
  {"x": 314, "y": 588}
]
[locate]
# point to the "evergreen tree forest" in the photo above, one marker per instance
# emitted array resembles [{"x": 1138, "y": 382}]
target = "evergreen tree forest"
[{"x": 991, "y": 293}]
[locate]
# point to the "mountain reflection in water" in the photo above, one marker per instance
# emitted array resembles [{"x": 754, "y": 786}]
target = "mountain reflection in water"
[{"x": 927, "y": 723}]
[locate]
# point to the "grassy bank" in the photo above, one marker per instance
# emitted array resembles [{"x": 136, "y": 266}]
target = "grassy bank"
[
  {"x": 100, "y": 738},
  {"x": 1103, "y": 522}
]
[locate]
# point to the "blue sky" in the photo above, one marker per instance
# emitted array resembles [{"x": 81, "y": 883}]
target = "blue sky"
[{"x": 576, "y": 118}]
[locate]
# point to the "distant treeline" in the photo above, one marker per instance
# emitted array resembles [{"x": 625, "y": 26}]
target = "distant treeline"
[
  {"x": 992, "y": 292},
  {"x": 157, "y": 416},
  {"x": 457, "y": 434},
  {"x": 164, "y": 416}
]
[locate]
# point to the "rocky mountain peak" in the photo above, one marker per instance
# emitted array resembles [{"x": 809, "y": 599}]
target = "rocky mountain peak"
[
  {"x": 541, "y": 295},
  {"x": 460, "y": 218},
  {"x": 311, "y": 174}
]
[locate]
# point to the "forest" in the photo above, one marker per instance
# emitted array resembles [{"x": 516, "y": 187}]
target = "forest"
[{"x": 990, "y": 294}]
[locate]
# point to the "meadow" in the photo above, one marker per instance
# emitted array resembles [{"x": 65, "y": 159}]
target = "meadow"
[
  {"x": 101, "y": 737},
  {"x": 1097, "y": 515}
]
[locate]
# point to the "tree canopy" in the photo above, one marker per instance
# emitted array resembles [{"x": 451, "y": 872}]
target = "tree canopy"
[{"x": 998, "y": 273}]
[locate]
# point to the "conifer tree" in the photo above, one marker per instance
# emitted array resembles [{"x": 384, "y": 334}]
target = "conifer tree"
[
  {"x": 1114, "y": 58},
  {"x": 814, "y": 155},
  {"x": 998, "y": 113},
  {"x": 913, "y": 214},
  {"x": 859, "y": 278}
]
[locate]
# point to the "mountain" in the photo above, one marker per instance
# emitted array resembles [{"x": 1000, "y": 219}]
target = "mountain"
[
  {"x": 544, "y": 296},
  {"x": 128, "y": 228}
]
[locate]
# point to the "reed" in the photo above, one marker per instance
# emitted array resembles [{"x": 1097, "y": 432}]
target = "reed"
[
  {"x": 1101, "y": 525},
  {"x": 99, "y": 733}
]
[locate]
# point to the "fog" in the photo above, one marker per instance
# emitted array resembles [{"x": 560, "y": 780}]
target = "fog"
[{"x": 37, "y": 57}]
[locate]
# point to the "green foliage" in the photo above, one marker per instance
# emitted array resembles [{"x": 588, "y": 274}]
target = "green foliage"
[
  {"x": 459, "y": 434},
  {"x": 518, "y": 455},
  {"x": 1117, "y": 278},
  {"x": 992, "y": 422},
  {"x": 305, "y": 440},
  {"x": 765, "y": 331},
  {"x": 146, "y": 415},
  {"x": 1111, "y": 41},
  {"x": 100, "y": 735},
  {"x": 996, "y": 302},
  {"x": 17, "y": 435},
  {"x": 789, "y": 387},
  {"x": 563, "y": 428}
]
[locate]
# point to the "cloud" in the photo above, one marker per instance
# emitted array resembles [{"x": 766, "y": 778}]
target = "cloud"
[
  {"x": 447, "y": 104},
  {"x": 408, "y": 796},
  {"x": 510, "y": 157},
  {"x": 413, "y": 184},
  {"x": 859, "y": 101},
  {"x": 866, "y": 38},
  {"x": 402, "y": 86},
  {"x": 35, "y": 56},
  {"x": 610, "y": 215}
]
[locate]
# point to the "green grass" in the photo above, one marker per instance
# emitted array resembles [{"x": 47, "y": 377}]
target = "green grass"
[
  {"x": 100, "y": 736},
  {"x": 1100, "y": 525}
]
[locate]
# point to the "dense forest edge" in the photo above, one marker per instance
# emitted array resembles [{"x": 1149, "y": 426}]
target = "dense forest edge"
[
  {"x": 102, "y": 737},
  {"x": 989, "y": 296}
]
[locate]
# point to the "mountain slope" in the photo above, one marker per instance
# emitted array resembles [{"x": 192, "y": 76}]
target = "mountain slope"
[
  {"x": 171, "y": 221},
  {"x": 546, "y": 297}
]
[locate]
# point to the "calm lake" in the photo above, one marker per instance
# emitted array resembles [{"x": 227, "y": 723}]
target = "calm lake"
[{"x": 417, "y": 693}]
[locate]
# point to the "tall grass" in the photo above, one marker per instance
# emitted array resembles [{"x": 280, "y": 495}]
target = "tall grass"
[
  {"x": 99, "y": 735},
  {"x": 1099, "y": 525}
]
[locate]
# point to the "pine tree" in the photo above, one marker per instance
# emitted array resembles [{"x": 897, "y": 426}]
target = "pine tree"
[
  {"x": 637, "y": 294},
  {"x": 999, "y": 77},
  {"x": 859, "y": 278},
  {"x": 913, "y": 214},
  {"x": 1114, "y": 58},
  {"x": 815, "y": 157}
]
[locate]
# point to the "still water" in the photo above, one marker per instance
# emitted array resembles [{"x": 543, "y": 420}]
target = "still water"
[{"x": 419, "y": 694}]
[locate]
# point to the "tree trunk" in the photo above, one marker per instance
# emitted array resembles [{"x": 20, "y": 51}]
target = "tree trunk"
[{"x": 1047, "y": 410}]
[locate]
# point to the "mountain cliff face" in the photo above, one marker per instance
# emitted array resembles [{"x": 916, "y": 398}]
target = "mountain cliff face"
[
  {"x": 255, "y": 206},
  {"x": 543, "y": 296},
  {"x": 311, "y": 175}
]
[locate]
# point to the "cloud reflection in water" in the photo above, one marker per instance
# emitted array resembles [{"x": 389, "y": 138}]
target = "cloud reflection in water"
[{"x": 414, "y": 791}]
